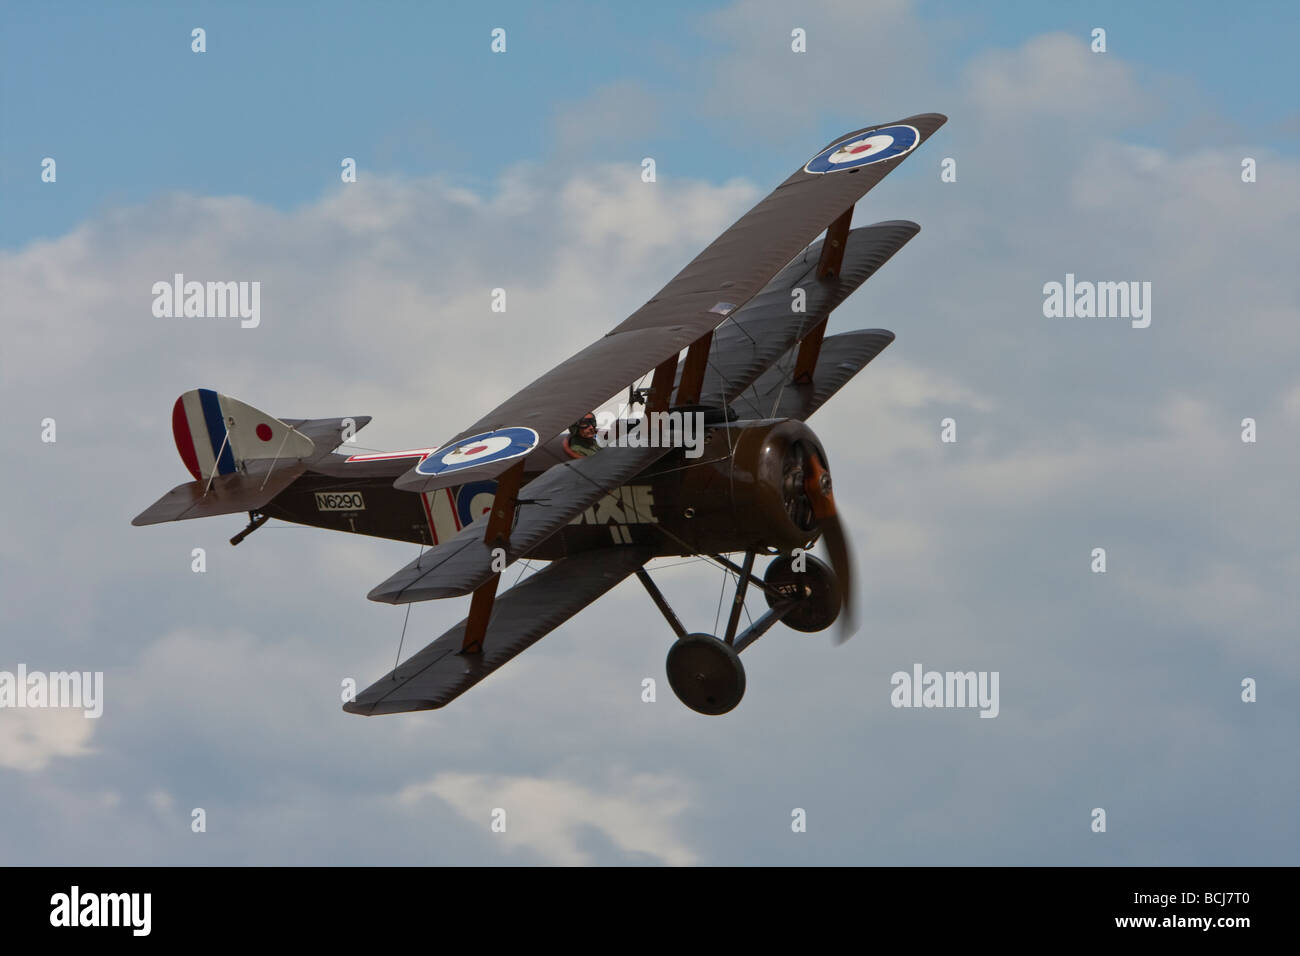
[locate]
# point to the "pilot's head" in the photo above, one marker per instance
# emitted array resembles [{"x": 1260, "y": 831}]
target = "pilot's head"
[{"x": 585, "y": 427}]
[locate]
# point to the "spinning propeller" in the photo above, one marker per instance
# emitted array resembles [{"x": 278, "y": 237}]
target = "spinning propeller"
[{"x": 816, "y": 487}]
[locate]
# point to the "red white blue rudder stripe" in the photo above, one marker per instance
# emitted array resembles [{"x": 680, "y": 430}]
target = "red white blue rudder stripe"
[{"x": 216, "y": 434}]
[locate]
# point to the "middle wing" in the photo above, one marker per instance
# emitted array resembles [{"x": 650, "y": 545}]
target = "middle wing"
[
  {"x": 757, "y": 336},
  {"x": 546, "y": 504}
]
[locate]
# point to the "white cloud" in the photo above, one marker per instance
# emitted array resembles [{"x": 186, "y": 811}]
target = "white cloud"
[
  {"x": 862, "y": 60},
  {"x": 30, "y": 738},
  {"x": 1054, "y": 75},
  {"x": 637, "y": 813}
]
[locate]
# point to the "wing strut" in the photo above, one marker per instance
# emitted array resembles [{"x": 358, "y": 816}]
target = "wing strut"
[
  {"x": 837, "y": 234},
  {"x": 661, "y": 386},
  {"x": 480, "y": 610},
  {"x": 697, "y": 363},
  {"x": 500, "y": 520},
  {"x": 828, "y": 267}
]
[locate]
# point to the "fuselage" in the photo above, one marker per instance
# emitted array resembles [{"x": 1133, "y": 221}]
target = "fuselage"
[{"x": 733, "y": 496}]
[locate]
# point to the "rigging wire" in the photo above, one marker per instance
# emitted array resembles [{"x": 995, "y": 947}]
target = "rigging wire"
[
  {"x": 527, "y": 566},
  {"x": 717, "y": 615},
  {"x": 405, "y": 621}
]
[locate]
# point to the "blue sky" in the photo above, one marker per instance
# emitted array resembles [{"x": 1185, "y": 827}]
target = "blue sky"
[
  {"x": 114, "y": 94},
  {"x": 522, "y": 171}
]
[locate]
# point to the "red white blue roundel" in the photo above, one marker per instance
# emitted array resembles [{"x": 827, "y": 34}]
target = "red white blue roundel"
[
  {"x": 864, "y": 149},
  {"x": 474, "y": 500},
  {"x": 500, "y": 445}
]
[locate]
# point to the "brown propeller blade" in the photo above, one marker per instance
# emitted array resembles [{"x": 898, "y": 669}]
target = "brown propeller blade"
[{"x": 818, "y": 488}]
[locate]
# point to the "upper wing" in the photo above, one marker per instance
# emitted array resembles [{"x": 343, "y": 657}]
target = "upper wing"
[
  {"x": 521, "y": 617},
  {"x": 717, "y": 282}
]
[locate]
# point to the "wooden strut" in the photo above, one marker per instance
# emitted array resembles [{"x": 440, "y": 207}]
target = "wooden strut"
[
  {"x": 697, "y": 363},
  {"x": 828, "y": 268},
  {"x": 500, "y": 520},
  {"x": 661, "y": 386},
  {"x": 837, "y": 237}
]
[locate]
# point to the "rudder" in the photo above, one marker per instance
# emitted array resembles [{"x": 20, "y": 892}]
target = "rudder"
[{"x": 216, "y": 434}]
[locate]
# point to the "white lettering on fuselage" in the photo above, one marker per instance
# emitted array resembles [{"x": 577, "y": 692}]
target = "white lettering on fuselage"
[{"x": 630, "y": 504}]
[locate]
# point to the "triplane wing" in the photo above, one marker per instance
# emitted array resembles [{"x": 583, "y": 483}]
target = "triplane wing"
[
  {"x": 546, "y": 504},
  {"x": 793, "y": 303},
  {"x": 842, "y": 357},
  {"x": 522, "y": 616},
  {"x": 733, "y": 269}
]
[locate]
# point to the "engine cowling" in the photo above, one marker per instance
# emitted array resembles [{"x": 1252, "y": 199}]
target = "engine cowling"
[{"x": 752, "y": 494}]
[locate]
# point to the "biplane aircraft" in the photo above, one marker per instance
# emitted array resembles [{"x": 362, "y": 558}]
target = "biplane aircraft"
[{"x": 750, "y": 314}]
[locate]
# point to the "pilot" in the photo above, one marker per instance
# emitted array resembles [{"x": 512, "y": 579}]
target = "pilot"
[{"x": 581, "y": 440}]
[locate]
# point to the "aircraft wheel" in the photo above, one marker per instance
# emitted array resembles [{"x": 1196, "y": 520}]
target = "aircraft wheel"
[
  {"x": 705, "y": 674},
  {"x": 816, "y": 587}
]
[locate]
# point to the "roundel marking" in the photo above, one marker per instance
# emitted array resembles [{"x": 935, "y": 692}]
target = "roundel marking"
[
  {"x": 873, "y": 146},
  {"x": 474, "y": 500},
  {"x": 499, "y": 445}
]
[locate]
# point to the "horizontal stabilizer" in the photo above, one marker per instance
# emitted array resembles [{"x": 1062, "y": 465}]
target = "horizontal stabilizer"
[
  {"x": 547, "y": 504},
  {"x": 328, "y": 433},
  {"x": 227, "y": 494},
  {"x": 520, "y": 618}
]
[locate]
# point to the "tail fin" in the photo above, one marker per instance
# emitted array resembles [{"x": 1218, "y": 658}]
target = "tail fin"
[
  {"x": 217, "y": 434},
  {"x": 240, "y": 457}
]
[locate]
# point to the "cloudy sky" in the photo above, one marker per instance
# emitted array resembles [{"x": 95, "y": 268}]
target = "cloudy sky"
[{"x": 521, "y": 170}]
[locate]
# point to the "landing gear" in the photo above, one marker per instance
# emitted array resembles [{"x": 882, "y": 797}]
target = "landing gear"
[
  {"x": 815, "y": 591},
  {"x": 704, "y": 671},
  {"x": 706, "y": 674}
]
